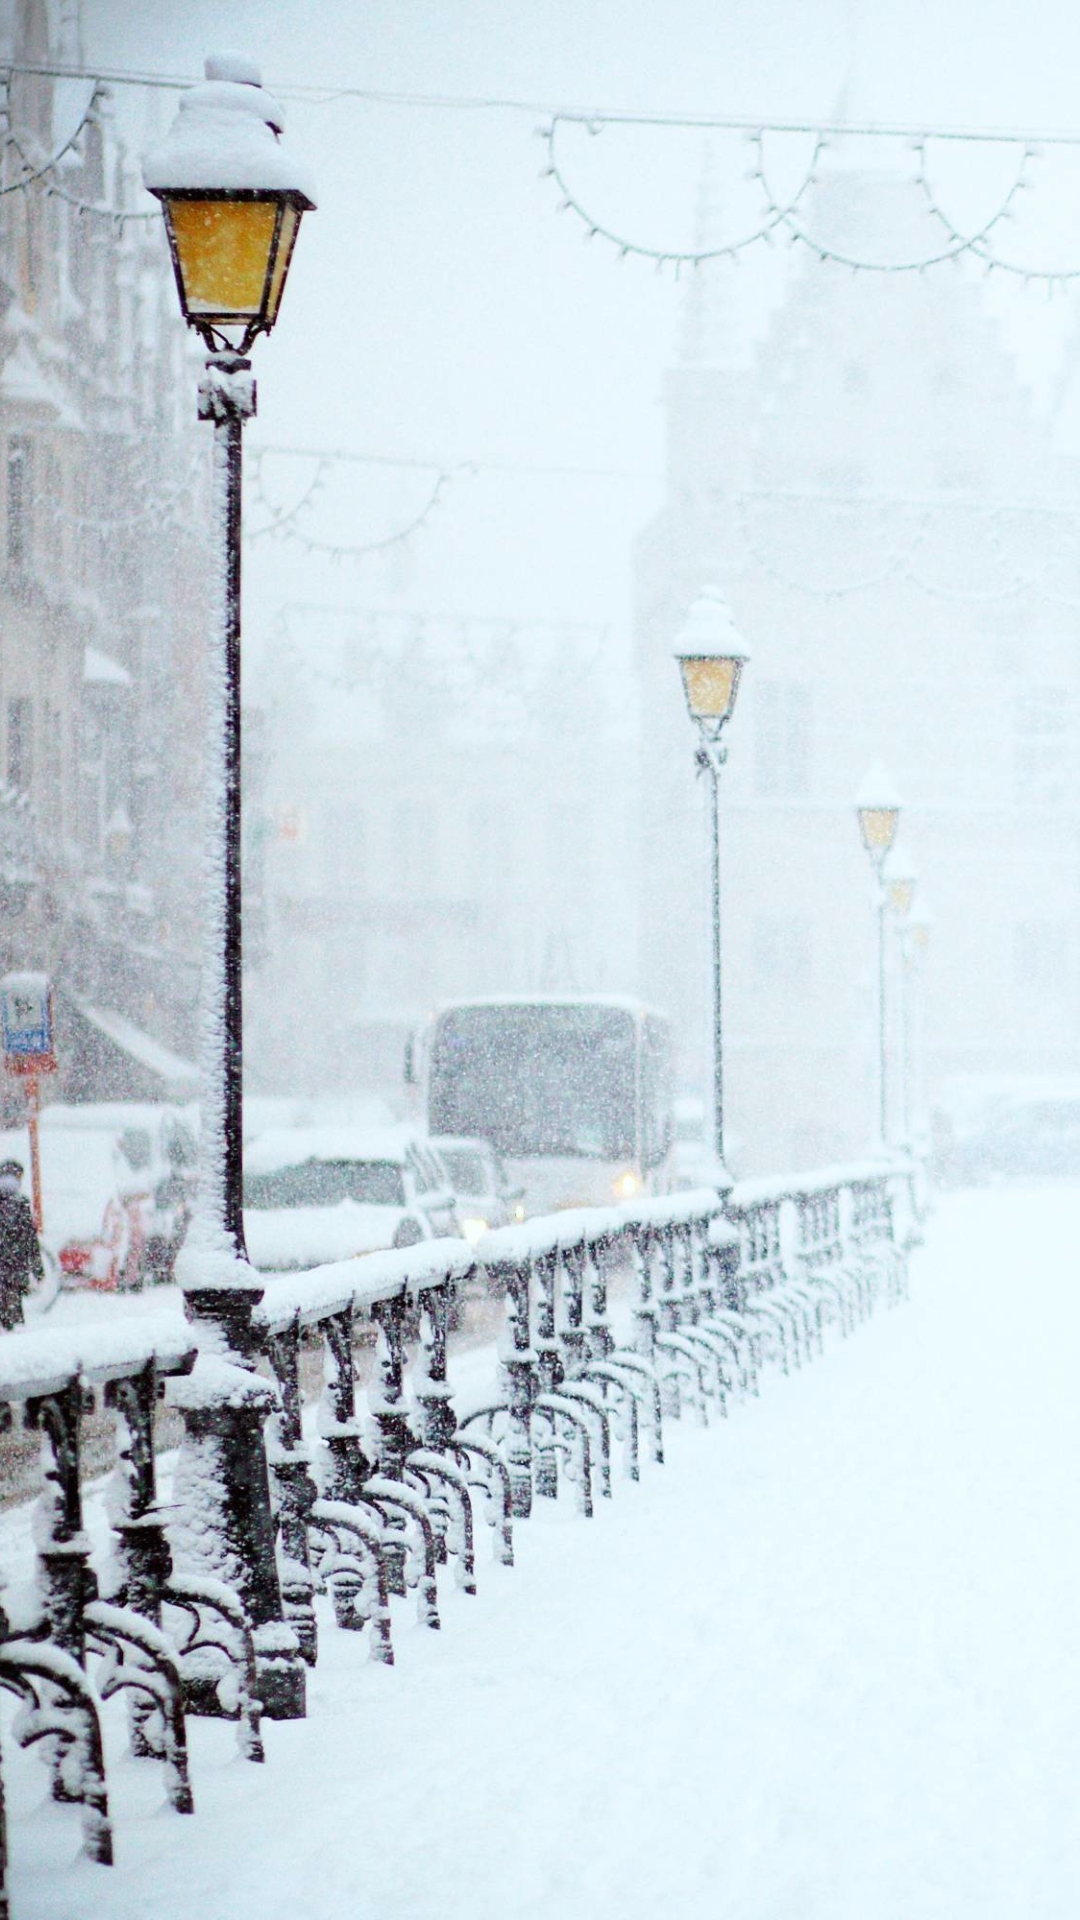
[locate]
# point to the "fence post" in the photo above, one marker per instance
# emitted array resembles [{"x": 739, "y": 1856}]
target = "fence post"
[{"x": 222, "y": 1489}]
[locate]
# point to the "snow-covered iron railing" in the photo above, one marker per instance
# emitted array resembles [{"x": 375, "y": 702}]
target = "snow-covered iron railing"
[{"x": 370, "y": 1503}]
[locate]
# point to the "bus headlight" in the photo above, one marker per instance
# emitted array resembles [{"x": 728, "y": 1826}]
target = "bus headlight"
[
  {"x": 473, "y": 1230},
  {"x": 627, "y": 1185}
]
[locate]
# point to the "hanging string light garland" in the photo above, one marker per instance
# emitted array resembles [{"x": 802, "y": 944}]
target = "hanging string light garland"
[
  {"x": 281, "y": 524},
  {"x": 168, "y": 504},
  {"x": 10, "y": 142},
  {"x": 784, "y": 218},
  {"x": 677, "y": 257},
  {"x": 45, "y": 173},
  {"x": 902, "y": 566},
  {"x": 920, "y": 518},
  {"x": 472, "y": 647}
]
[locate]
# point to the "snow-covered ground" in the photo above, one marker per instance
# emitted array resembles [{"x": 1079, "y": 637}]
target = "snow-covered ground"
[{"x": 821, "y": 1666}]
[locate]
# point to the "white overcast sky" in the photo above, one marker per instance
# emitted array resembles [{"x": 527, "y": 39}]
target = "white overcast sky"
[{"x": 440, "y": 307}]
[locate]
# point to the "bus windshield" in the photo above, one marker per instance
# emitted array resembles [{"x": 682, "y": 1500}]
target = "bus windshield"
[{"x": 537, "y": 1080}]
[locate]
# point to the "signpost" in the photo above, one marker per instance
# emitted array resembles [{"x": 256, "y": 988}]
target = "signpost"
[{"x": 26, "y": 1027}]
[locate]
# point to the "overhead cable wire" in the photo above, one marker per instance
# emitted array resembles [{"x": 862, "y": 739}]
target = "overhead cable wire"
[{"x": 326, "y": 92}]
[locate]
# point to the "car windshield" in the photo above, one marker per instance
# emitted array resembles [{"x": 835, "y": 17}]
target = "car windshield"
[
  {"x": 325, "y": 1183},
  {"x": 543, "y": 1079},
  {"x": 467, "y": 1169}
]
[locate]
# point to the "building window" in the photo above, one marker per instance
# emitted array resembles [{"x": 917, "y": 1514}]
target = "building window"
[
  {"x": 782, "y": 740},
  {"x": 1043, "y": 957},
  {"x": 782, "y": 953},
  {"x": 1044, "y": 744},
  {"x": 20, "y": 743},
  {"x": 19, "y": 501}
]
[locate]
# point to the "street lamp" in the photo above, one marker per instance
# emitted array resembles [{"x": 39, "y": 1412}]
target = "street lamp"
[
  {"x": 877, "y": 807},
  {"x": 232, "y": 201},
  {"x": 920, "y": 922},
  {"x": 900, "y": 875},
  {"x": 711, "y": 659}
]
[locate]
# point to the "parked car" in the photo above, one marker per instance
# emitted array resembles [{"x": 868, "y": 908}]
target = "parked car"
[
  {"x": 162, "y": 1150},
  {"x": 482, "y": 1192},
  {"x": 317, "y": 1194},
  {"x": 118, "y": 1181},
  {"x": 1033, "y": 1139},
  {"x": 694, "y": 1161}
]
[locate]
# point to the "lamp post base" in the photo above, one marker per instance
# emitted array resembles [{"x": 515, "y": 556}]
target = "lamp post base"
[{"x": 223, "y": 1486}]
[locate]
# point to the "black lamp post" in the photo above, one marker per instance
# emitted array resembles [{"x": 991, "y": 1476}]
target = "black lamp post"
[
  {"x": 711, "y": 658},
  {"x": 877, "y": 808},
  {"x": 232, "y": 201}
]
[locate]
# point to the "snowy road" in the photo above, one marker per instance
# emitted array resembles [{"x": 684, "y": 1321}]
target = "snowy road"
[{"x": 824, "y": 1665}]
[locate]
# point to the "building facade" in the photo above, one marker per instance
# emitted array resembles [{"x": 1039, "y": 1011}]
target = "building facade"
[
  {"x": 892, "y": 527},
  {"x": 103, "y": 535},
  {"x": 448, "y": 806}
]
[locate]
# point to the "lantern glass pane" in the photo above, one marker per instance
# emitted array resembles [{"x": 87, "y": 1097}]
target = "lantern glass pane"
[
  {"x": 878, "y": 826},
  {"x": 290, "y": 220},
  {"x": 901, "y": 894},
  {"x": 710, "y": 686},
  {"x": 223, "y": 247}
]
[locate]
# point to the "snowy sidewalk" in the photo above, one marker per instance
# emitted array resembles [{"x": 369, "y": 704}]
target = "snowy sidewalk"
[{"x": 823, "y": 1665}]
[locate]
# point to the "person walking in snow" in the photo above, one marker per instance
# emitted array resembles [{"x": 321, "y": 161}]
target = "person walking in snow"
[{"x": 20, "y": 1250}]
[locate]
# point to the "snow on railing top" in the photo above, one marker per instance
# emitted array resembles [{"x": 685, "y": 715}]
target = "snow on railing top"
[
  {"x": 40, "y": 1361},
  {"x": 674, "y": 1209},
  {"x": 791, "y": 1186},
  {"x": 548, "y": 1233},
  {"x": 43, "y": 1361},
  {"x": 363, "y": 1281}
]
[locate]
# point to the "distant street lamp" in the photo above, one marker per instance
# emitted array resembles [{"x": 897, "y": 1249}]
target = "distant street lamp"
[
  {"x": 711, "y": 659},
  {"x": 233, "y": 201},
  {"x": 919, "y": 927},
  {"x": 900, "y": 875},
  {"x": 877, "y": 806}
]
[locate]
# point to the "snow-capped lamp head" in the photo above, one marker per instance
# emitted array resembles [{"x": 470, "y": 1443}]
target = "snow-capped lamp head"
[
  {"x": 920, "y": 923},
  {"x": 900, "y": 875},
  {"x": 711, "y": 658},
  {"x": 232, "y": 199},
  {"x": 877, "y": 808}
]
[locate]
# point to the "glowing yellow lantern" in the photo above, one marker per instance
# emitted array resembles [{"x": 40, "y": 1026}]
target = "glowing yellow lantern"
[
  {"x": 711, "y": 658},
  {"x": 232, "y": 200},
  {"x": 878, "y": 809}
]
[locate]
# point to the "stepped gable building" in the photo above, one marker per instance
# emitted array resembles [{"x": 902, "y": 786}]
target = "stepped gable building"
[
  {"x": 895, "y": 534},
  {"x": 103, "y": 531}
]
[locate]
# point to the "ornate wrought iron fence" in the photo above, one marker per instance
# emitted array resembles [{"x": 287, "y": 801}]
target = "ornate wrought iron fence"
[{"x": 372, "y": 1502}]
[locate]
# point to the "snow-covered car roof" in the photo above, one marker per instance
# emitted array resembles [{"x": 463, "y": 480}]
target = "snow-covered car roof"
[
  {"x": 282, "y": 1240},
  {"x": 597, "y": 1002},
  {"x": 468, "y": 1142},
  {"x": 293, "y": 1146}
]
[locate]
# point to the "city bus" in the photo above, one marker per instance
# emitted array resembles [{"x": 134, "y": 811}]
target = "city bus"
[{"x": 574, "y": 1092}]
